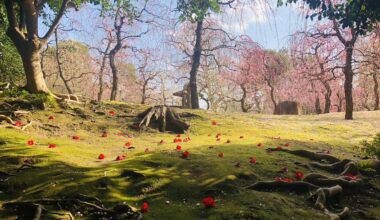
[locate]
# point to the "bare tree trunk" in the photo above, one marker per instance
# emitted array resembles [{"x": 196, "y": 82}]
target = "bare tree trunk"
[
  {"x": 101, "y": 71},
  {"x": 318, "y": 109},
  {"x": 59, "y": 64},
  {"x": 376, "y": 91},
  {"x": 195, "y": 65},
  {"x": 348, "y": 73},
  {"x": 243, "y": 99},
  {"x": 327, "y": 97},
  {"x": 143, "y": 96},
  {"x": 272, "y": 94}
]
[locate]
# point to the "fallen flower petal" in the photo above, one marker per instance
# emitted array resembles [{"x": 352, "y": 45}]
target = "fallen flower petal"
[
  {"x": 18, "y": 123},
  {"x": 252, "y": 161},
  {"x": 209, "y": 202},
  {"x": 221, "y": 155},
  {"x": 228, "y": 141},
  {"x": 51, "y": 117},
  {"x": 112, "y": 113},
  {"x": 144, "y": 207},
  {"x": 52, "y": 146},
  {"x": 128, "y": 144},
  {"x": 298, "y": 175},
  {"x": 259, "y": 144},
  {"x": 31, "y": 142},
  {"x": 179, "y": 147},
  {"x": 75, "y": 137},
  {"x": 101, "y": 156},
  {"x": 104, "y": 134},
  {"x": 241, "y": 137},
  {"x": 118, "y": 158},
  {"x": 284, "y": 180},
  {"x": 214, "y": 123},
  {"x": 185, "y": 154},
  {"x": 286, "y": 145}
]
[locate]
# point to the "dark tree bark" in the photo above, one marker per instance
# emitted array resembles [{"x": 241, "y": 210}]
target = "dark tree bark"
[
  {"x": 118, "y": 24},
  {"x": 24, "y": 34},
  {"x": 318, "y": 109},
  {"x": 348, "y": 73},
  {"x": 327, "y": 97},
  {"x": 243, "y": 100},
  {"x": 195, "y": 65},
  {"x": 376, "y": 91},
  {"x": 272, "y": 93}
]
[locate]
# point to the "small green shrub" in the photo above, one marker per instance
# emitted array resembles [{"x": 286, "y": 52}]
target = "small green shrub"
[{"x": 371, "y": 148}]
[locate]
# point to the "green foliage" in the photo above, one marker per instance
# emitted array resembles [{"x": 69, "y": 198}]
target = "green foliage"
[
  {"x": 370, "y": 148},
  {"x": 196, "y": 10},
  {"x": 11, "y": 69},
  {"x": 360, "y": 14}
]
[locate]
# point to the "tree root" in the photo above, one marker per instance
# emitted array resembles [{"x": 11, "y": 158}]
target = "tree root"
[
  {"x": 323, "y": 190},
  {"x": 7, "y": 119},
  {"x": 308, "y": 154},
  {"x": 87, "y": 205},
  {"x": 66, "y": 97},
  {"x": 164, "y": 118}
]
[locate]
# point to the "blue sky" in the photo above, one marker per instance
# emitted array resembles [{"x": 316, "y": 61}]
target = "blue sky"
[{"x": 263, "y": 21}]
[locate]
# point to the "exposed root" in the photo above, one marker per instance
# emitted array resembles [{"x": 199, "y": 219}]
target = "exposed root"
[
  {"x": 86, "y": 205},
  {"x": 162, "y": 117},
  {"x": 324, "y": 190},
  {"x": 66, "y": 97},
  {"x": 308, "y": 154},
  {"x": 7, "y": 119}
]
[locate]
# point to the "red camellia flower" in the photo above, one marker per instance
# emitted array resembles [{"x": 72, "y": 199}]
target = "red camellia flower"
[
  {"x": 104, "y": 134},
  {"x": 18, "y": 123},
  {"x": 350, "y": 176},
  {"x": 128, "y": 144},
  {"x": 112, "y": 113},
  {"x": 144, "y": 207},
  {"x": 179, "y": 147},
  {"x": 298, "y": 175},
  {"x": 286, "y": 145},
  {"x": 185, "y": 154},
  {"x": 118, "y": 158},
  {"x": 259, "y": 145},
  {"x": 241, "y": 137},
  {"x": 284, "y": 180},
  {"x": 209, "y": 202},
  {"x": 75, "y": 137},
  {"x": 101, "y": 156},
  {"x": 177, "y": 140},
  {"x": 214, "y": 123},
  {"x": 52, "y": 146},
  {"x": 221, "y": 155},
  {"x": 31, "y": 142},
  {"x": 51, "y": 117},
  {"x": 252, "y": 161}
]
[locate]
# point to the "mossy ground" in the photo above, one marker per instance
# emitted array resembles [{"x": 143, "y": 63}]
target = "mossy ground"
[{"x": 74, "y": 166}]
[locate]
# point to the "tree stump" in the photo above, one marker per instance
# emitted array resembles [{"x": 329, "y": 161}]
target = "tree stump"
[{"x": 163, "y": 118}]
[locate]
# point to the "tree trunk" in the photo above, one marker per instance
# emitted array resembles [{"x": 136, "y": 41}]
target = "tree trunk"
[
  {"x": 35, "y": 82},
  {"x": 376, "y": 91},
  {"x": 143, "y": 95},
  {"x": 195, "y": 65},
  {"x": 59, "y": 64},
  {"x": 327, "y": 97},
  {"x": 348, "y": 73},
  {"x": 318, "y": 109},
  {"x": 101, "y": 71},
  {"x": 115, "y": 78},
  {"x": 272, "y": 94},
  {"x": 243, "y": 99}
]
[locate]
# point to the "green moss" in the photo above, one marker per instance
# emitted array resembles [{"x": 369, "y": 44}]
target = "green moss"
[{"x": 73, "y": 166}]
